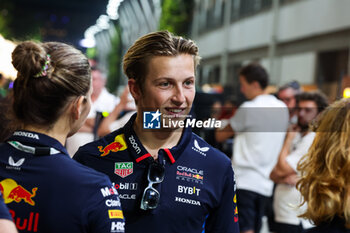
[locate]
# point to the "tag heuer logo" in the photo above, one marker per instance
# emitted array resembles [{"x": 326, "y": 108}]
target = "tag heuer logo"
[{"x": 123, "y": 169}]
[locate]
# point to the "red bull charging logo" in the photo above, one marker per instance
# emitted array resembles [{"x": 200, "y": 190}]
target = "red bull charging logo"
[
  {"x": 11, "y": 191},
  {"x": 119, "y": 144}
]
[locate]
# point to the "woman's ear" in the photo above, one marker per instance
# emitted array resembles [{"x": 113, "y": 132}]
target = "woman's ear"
[
  {"x": 134, "y": 89},
  {"x": 78, "y": 107}
]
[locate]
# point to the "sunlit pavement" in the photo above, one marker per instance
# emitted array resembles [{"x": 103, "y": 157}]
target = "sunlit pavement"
[{"x": 265, "y": 227}]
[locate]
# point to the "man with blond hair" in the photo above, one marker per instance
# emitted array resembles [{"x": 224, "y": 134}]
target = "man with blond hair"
[{"x": 169, "y": 179}]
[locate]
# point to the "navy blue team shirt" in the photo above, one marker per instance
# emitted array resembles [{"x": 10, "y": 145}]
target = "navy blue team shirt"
[
  {"x": 336, "y": 225},
  {"x": 4, "y": 212},
  {"x": 46, "y": 191},
  {"x": 198, "y": 191}
]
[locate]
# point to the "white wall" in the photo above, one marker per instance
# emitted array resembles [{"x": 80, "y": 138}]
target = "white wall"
[
  {"x": 299, "y": 67},
  {"x": 297, "y": 20},
  {"x": 312, "y": 17},
  {"x": 211, "y": 44},
  {"x": 251, "y": 32}
]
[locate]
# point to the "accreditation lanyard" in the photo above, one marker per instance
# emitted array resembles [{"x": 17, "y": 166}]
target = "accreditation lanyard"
[{"x": 34, "y": 150}]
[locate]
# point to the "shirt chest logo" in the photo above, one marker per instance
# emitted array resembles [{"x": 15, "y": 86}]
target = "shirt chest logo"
[
  {"x": 123, "y": 169},
  {"x": 119, "y": 144},
  {"x": 189, "y": 174},
  {"x": 200, "y": 150},
  {"x": 15, "y": 165}
]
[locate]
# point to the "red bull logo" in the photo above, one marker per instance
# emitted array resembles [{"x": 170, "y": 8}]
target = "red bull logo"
[
  {"x": 198, "y": 177},
  {"x": 119, "y": 144},
  {"x": 11, "y": 191},
  {"x": 28, "y": 223}
]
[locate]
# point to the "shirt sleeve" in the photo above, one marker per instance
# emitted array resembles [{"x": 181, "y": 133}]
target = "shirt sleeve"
[
  {"x": 224, "y": 218},
  {"x": 104, "y": 212},
  {"x": 300, "y": 150},
  {"x": 79, "y": 156},
  {"x": 4, "y": 211},
  {"x": 239, "y": 121}
]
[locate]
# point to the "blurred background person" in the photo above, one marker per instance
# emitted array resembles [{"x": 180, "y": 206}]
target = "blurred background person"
[
  {"x": 259, "y": 134},
  {"x": 7, "y": 126},
  {"x": 120, "y": 114},
  {"x": 44, "y": 189},
  {"x": 209, "y": 133},
  {"x": 284, "y": 174},
  {"x": 325, "y": 169},
  {"x": 3, "y": 82},
  {"x": 228, "y": 109},
  {"x": 221, "y": 112},
  {"x": 287, "y": 94},
  {"x": 102, "y": 102}
]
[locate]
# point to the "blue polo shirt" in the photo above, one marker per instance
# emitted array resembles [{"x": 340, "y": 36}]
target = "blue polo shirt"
[
  {"x": 336, "y": 225},
  {"x": 4, "y": 212},
  {"x": 47, "y": 191},
  {"x": 198, "y": 191}
]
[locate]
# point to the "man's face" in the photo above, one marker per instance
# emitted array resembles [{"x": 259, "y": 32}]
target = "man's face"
[
  {"x": 307, "y": 111},
  {"x": 246, "y": 88},
  {"x": 98, "y": 82},
  {"x": 288, "y": 97},
  {"x": 169, "y": 85}
]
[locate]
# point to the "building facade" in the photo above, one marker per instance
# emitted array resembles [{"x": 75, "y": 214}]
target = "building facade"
[{"x": 303, "y": 40}]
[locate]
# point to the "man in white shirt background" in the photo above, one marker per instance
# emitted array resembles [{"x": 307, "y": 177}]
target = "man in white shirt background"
[
  {"x": 298, "y": 140},
  {"x": 102, "y": 101},
  {"x": 259, "y": 126}
]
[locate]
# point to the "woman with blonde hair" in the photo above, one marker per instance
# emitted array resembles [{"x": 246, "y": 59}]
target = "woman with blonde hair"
[{"x": 325, "y": 171}]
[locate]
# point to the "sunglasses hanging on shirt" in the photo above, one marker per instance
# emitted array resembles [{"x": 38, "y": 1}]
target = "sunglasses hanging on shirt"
[{"x": 151, "y": 196}]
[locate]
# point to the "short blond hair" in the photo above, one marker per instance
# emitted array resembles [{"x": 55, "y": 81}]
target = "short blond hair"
[{"x": 161, "y": 43}]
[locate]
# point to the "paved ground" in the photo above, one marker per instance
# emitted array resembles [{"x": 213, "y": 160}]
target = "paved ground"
[{"x": 264, "y": 228}]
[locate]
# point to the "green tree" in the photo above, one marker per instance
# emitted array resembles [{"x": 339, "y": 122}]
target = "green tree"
[
  {"x": 176, "y": 16},
  {"x": 5, "y": 18},
  {"x": 114, "y": 63}
]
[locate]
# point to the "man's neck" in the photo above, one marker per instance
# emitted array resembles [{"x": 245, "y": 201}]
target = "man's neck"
[
  {"x": 95, "y": 95},
  {"x": 256, "y": 93},
  {"x": 153, "y": 140},
  {"x": 303, "y": 133}
]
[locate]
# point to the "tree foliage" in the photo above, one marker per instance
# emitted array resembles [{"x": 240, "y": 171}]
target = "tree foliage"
[
  {"x": 5, "y": 18},
  {"x": 114, "y": 63},
  {"x": 11, "y": 22},
  {"x": 177, "y": 16}
]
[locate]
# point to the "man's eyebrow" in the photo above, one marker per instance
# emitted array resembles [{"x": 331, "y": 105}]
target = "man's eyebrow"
[{"x": 169, "y": 78}]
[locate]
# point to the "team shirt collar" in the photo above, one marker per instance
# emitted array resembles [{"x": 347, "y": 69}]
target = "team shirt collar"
[
  {"x": 35, "y": 143},
  {"x": 141, "y": 155}
]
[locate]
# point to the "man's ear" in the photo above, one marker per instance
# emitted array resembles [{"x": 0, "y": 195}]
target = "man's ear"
[
  {"x": 134, "y": 89},
  {"x": 77, "y": 107},
  {"x": 256, "y": 85}
]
